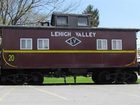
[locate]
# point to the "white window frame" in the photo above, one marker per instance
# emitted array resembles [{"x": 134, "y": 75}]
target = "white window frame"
[
  {"x": 118, "y": 44},
  {"x": 104, "y": 46},
  {"x": 26, "y": 48},
  {"x": 43, "y": 39}
]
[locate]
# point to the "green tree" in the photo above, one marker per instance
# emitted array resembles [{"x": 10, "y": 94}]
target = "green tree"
[{"x": 94, "y": 15}]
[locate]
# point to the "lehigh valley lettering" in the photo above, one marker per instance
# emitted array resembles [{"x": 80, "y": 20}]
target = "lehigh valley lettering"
[{"x": 70, "y": 34}]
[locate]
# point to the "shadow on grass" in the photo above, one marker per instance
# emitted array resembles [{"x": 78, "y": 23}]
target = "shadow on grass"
[{"x": 70, "y": 81}]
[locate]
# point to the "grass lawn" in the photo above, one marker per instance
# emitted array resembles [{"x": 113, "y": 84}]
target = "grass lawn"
[
  {"x": 138, "y": 81},
  {"x": 80, "y": 79}
]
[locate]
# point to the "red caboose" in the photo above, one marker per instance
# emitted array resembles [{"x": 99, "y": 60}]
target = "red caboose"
[{"x": 29, "y": 53}]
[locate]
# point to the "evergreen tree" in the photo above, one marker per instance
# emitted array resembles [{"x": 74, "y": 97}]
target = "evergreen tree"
[{"x": 94, "y": 18}]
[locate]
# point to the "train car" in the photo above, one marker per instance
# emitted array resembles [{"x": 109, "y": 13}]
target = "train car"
[{"x": 30, "y": 53}]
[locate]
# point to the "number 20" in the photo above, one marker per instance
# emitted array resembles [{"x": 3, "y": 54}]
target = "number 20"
[{"x": 11, "y": 58}]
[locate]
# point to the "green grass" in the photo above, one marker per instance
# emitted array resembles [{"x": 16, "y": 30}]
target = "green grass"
[
  {"x": 79, "y": 79},
  {"x": 138, "y": 81}
]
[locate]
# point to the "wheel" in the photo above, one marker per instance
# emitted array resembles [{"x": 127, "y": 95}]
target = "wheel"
[
  {"x": 36, "y": 79},
  {"x": 131, "y": 77},
  {"x": 125, "y": 77},
  {"x": 4, "y": 80},
  {"x": 119, "y": 77},
  {"x": 18, "y": 79},
  {"x": 105, "y": 77},
  {"x": 95, "y": 77}
]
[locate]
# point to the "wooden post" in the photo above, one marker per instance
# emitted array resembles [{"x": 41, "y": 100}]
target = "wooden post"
[{"x": 75, "y": 79}]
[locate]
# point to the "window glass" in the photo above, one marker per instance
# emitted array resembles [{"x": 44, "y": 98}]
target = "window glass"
[
  {"x": 82, "y": 21},
  {"x": 42, "y": 44},
  {"x": 46, "y": 44},
  {"x": 116, "y": 44},
  {"x": 23, "y": 44},
  {"x": 26, "y": 43},
  {"x": 62, "y": 20},
  {"x": 102, "y": 44}
]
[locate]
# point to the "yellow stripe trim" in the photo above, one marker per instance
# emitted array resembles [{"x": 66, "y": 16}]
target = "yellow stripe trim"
[{"x": 69, "y": 51}]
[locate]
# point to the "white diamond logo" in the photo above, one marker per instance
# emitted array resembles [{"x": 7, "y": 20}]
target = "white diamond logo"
[{"x": 73, "y": 41}]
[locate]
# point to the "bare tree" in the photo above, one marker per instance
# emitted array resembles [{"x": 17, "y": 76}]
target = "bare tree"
[{"x": 14, "y": 12}]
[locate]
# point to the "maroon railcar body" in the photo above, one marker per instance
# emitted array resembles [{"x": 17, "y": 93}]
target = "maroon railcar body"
[
  {"x": 68, "y": 48},
  {"x": 68, "y": 51}
]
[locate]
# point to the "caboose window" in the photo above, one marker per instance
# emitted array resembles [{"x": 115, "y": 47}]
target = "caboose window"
[
  {"x": 42, "y": 44},
  {"x": 62, "y": 20},
  {"x": 82, "y": 21},
  {"x": 116, "y": 44},
  {"x": 26, "y": 43},
  {"x": 101, "y": 44}
]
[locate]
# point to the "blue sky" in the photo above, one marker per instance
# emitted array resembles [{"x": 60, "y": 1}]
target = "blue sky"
[{"x": 115, "y": 13}]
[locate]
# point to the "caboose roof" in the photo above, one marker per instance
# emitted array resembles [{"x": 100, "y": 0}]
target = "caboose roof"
[
  {"x": 76, "y": 28},
  {"x": 68, "y": 14}
]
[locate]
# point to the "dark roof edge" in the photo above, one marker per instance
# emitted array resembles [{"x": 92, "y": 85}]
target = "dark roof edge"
[
  {"x": 69, "y": 14},
  {"x": 108, "y": 28},
  {"x": 52, "y": 27}
]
